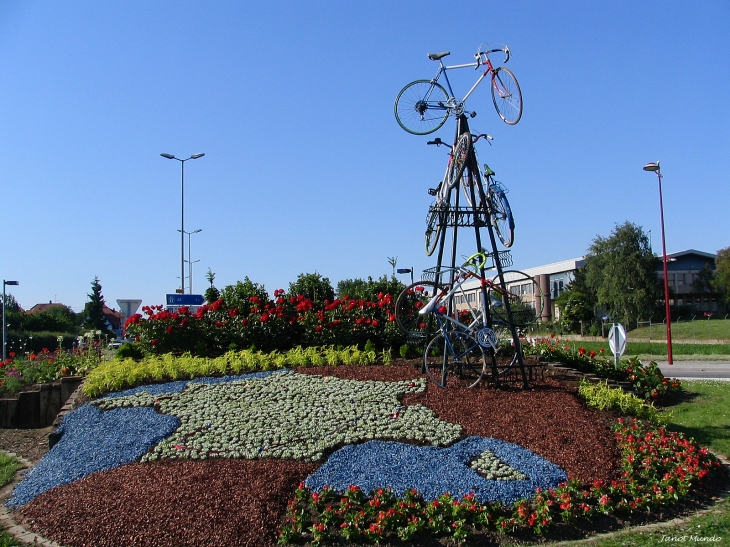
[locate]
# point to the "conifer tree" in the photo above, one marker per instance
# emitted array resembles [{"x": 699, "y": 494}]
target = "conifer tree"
[{"x": 94, "y": 310}]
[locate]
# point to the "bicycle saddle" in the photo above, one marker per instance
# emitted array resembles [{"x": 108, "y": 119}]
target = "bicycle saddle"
[{"x": 437, "y": 56}]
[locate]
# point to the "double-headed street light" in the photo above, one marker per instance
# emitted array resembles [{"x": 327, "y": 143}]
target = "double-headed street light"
[
  {"x": 182, "y": 212},
  {"x": 190, "y": 260},
  {"x": 651, "y": 166},
  {"x": 5, "y": 324}
]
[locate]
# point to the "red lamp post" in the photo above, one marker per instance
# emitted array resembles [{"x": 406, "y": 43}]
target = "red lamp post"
[{"x": 651, "y": 166}]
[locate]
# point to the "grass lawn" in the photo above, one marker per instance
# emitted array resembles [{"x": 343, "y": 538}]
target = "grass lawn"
[
  {"x": 651, "y": 351},
  {"x": 8, "y": 467},
  {"x": 706, "y": 417},
  {"x": 699, "y": 329}
]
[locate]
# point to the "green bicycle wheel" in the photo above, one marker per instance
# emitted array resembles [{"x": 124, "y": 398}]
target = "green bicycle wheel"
[{"x": 420, "y": 107}]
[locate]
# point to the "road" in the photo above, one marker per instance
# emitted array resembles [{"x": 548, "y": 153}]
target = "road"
[{"x": 696, "y": 370}]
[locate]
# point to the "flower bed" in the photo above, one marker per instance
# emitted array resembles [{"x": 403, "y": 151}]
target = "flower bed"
[
  {"x": 274, "y": 324},
  {"x": 647, "y": 381},
  {"x": 578, "y": 444}
]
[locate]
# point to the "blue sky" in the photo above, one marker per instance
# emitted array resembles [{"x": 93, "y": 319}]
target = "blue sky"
[{"x": 306, "y": 168}]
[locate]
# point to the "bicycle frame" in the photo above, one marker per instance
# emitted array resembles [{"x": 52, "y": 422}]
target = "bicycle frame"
[
  {"x": 489, "y": 70},
  {"x": 445, "y": 296}
]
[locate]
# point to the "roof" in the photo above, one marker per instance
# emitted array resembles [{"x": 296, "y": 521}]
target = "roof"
[
  {"x": 693, "y": 252},
  {"x": 45, "y": 307}
]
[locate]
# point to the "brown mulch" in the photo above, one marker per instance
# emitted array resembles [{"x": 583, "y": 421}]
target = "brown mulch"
[
  {"x": 216, "y": 503},
  {"x": 240, "y": 502},
  {"x": 31, "y": 444}
]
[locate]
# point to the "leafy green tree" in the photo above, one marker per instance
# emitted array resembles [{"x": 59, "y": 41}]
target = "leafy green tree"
[
  {"x": 94, "y": 310},
  {"x": 55, "y": 319},
  {"x": 577, "y": 304},
  {"x": 237, "y": 296},
  {"x": 313, "y": 286},
  {"x": 622, "y": 272},
  {"x": 722, "y": 273},
  {"x": 369, "y": 290}
]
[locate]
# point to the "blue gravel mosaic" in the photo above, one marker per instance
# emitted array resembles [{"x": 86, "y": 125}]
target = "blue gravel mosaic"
[
  {"x": 433, "y": 471},
  {"x": 93, "y": 440}
]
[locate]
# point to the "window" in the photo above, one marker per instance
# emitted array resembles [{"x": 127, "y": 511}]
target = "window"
[{"x": 680, "y": 279}]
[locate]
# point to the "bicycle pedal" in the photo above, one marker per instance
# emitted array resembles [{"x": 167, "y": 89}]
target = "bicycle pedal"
[
  {"x": 472, "y": 114},
  {"x": 432, "y": 191}
]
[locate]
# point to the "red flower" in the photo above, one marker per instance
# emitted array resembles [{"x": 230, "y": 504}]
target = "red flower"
[
  {"x": 318, "y": 328},
  {"x": 375, "y": 323},
  {"x": 233, "y": 312},
  {"x": 169, "y": 330},
  {"x": 264, "y": 317},
  {"x": 244, "y": 322},
  {"x": 154, "y": 342},
  {"x": 217, "y": 305},
  {"x": 592, "y": 354},
  {"x": 582, "y": 350},
  {"x": 442, "y": 309},
  {"x": 12, "y": 354}
]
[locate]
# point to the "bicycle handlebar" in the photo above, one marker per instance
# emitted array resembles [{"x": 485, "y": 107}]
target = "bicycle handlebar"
[
  {"x": 437, "y": 141},
  {"x": 471, "y": 261},
  {"x": 475, "y": 138}
]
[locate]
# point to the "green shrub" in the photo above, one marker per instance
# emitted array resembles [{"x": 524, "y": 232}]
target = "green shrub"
[{"x": 602, "y": 397}]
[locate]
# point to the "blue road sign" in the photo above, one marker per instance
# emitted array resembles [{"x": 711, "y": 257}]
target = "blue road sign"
[{"x": 184, "y": 299}]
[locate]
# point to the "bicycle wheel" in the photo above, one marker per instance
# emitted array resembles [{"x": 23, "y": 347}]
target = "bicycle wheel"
[
  {"x": 407, "y": 305},
  {"x": 502, "y": 219},
  {"x": 456, "y": 355},
  {"x": 459, "y": 158},
  {"x": 523, "y": 294},
  {"x": 506, "y": 95},
  {"x": 433, "y": 229},
  {"x": 420, "y": 107}
]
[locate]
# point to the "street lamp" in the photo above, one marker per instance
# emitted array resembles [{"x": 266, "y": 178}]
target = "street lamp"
[
  {"x": 191, "y": 261},
  {"x": 651, "y": 166},
  {"x": 182, "y": 212},
  {"x": 5, "y": 325}
]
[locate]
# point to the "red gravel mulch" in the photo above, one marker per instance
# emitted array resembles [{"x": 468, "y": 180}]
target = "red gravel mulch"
[{"x": 240, "y": 503}]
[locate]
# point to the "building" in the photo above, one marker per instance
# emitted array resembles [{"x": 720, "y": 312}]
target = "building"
[
  {"x": 541, "y": 285},
  {"x": 683, "y": 270}
]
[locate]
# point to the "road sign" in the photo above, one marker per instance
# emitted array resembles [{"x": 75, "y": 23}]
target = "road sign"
[
  {"x": 128, "y": 307},
  {"x": 617, "y": 340},
  {"x": 184, "y": 299}
]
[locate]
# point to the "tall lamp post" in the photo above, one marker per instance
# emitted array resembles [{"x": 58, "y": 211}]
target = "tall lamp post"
[
  {"x": 5, "y": 325},
  {"x": 651, "y": 166},
  {"x": 182, "y": 212},
  {"x": 190, "y": 260}
]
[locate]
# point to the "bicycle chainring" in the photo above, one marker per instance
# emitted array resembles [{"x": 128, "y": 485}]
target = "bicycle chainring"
[{"x": 487, "y": 338}]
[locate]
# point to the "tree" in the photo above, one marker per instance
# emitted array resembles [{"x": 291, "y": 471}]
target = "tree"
[
  {"x": 368, "y": 290},
  {"x": 577, "y": 303},
  {"x": 313, "y": 286},
  {"x": 94, "y": 310},
  {"x": 722, "y": 273},
  {"x": 622, "y": 272},
  {"x": 237, "y": 296}
]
